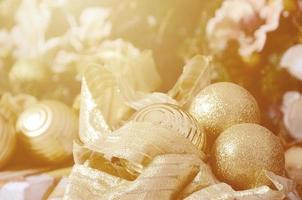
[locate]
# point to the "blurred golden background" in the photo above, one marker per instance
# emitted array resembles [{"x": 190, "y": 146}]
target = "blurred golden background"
[{"x": 46, "y": 46}]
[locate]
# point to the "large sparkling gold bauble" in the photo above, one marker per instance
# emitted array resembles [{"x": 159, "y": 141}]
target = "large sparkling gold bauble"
[
  {"x": 222, "y": 105},
  {"x": 48, "y": 129},
  {"x": 172, "y": 117},
  {"x": 7, "y": 140},
  {"x": 243, "y": 152}
]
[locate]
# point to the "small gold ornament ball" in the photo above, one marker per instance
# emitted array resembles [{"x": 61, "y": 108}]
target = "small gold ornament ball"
[
  {"x": 222, "y": 105},
  {"x": 243, "y": 152}
]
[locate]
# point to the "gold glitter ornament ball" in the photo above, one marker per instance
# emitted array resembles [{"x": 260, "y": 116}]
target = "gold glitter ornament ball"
[
  {"x": 243, "y": 152},
  {"x": 222, "y": 105}
]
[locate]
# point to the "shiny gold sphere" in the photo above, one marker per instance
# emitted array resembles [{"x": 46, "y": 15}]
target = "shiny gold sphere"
[
  {"x": 243, "y": 152},
  {"x": 222, "y": 105},
  {"x": 48, "y": 129}
]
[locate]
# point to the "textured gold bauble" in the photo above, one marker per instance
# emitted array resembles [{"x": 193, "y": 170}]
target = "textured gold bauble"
[
  {"x": 243, "y": 152},
  {"x": 7, "y": 140},
  {"x": 222, "y": 105},
  {"x": 173, "y": 117},
  {"x": 48, "y": 129}
]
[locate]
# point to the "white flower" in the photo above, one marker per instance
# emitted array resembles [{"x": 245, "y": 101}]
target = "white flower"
[
  {"x": 32, "y": 20},
  {"x": 244, "y": 21},
  {"x": 93, "y": 27},
  {"x": 94, "y": 24},
  {"x": 127, "y": 62},
  {"x": 82, "y": 40},
  {"x": 292, "y": 110},
  {"x": 292, "y": 61},
  {"x": 63, "y": 61},
  {"x": 5, "y": 43}
]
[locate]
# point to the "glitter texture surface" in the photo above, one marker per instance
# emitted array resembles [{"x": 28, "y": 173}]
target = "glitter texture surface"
[
  {"x": 242, "y": 153},
  {"x": 222, "y": 105}
]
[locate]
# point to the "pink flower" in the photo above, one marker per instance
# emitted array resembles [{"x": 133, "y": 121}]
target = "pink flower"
[
  {"x": 244, "y": 21},
  {"x": 292, "y": 110},
  {"x": 292, "y": 61}
]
